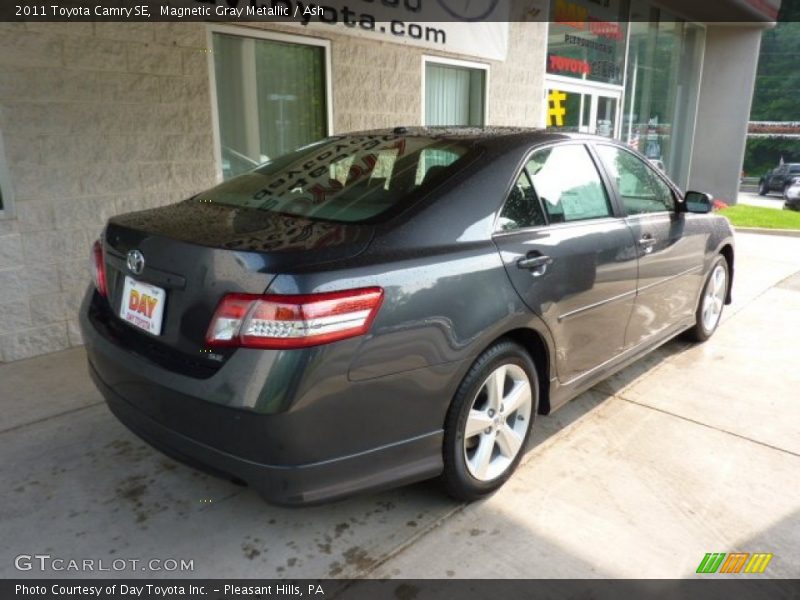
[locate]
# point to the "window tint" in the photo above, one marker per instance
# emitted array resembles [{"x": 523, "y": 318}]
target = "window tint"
[
  {"x": 641, "y": 189},
  {"x": 522, "y": 208},
  {"x": 346, "y": 179},
  {"x": 567, "y": 181}
]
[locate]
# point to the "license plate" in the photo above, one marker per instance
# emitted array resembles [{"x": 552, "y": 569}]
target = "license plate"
[{"x": 143, "y": 305}]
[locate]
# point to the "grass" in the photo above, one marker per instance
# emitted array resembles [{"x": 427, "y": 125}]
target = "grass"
[{"x": 742, "y": 215}]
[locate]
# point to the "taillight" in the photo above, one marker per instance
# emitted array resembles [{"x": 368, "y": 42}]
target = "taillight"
[
  {"x": 99, "y": 268},
  {"x": 293, "y": 321}
]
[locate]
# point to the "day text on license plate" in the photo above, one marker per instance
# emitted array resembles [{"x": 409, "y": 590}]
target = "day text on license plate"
[{"x": 143, "y": 305}]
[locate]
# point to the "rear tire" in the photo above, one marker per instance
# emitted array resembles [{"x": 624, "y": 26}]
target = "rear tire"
[
  {"x": 712, "y": 301},
  {"x": 489, "y": 421}
]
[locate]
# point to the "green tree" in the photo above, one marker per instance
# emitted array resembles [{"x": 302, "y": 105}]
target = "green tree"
[{"x": 776, "y": 95}]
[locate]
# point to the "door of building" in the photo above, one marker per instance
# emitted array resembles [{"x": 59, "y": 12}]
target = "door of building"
[{"x": 582, "y": 108}]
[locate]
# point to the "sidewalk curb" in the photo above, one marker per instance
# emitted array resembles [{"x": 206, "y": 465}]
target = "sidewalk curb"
[{"x": 766, "y": 231}]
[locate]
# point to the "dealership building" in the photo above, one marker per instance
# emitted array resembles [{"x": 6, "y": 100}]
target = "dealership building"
[{"x": 102, "y": 118}]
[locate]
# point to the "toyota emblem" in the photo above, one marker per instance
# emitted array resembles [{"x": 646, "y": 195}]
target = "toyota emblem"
[{"x": 135, "y": 262}]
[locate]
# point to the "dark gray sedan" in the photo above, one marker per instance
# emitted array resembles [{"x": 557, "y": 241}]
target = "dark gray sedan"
[{"x": 384, "y": 307}]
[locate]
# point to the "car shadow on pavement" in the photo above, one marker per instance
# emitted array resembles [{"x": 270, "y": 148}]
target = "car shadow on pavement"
[
  {"x": 81, "y": 485},
  {"x": 548, "y": 426}
]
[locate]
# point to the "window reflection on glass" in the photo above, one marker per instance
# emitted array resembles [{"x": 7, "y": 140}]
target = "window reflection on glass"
[
  {"x": 664, "y": 61},
  {"x": 522, "y": 208},
  {"x": 641, "y": 190},
  {"x": 586, "y": 39},
  {"x": 566, "y": 180},
  {"x": 346, "y": 178},
  {"x": 270, "y": 99}
]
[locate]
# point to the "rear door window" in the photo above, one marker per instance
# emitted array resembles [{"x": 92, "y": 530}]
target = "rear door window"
[
  {"x": 566, "y": 180},
  {"x": 348, "y": 179},
  {"x": 522, "y": 208}
]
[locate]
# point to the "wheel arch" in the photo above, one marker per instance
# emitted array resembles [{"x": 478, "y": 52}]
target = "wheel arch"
[
  {"x": 536, "y": 344},
  {"x": 727, "y": 252}
]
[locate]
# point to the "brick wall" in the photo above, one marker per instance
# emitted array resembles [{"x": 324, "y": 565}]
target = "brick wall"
[{"x": 103, "y": 118}]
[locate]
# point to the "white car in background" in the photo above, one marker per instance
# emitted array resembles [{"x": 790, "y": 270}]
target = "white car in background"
[{"x": 791, "y": 195}]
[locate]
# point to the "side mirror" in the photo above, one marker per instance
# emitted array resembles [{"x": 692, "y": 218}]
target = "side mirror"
[{"x": 698, "y": 202}]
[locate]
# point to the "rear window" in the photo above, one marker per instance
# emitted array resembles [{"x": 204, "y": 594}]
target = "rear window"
[{"x": 348, "y": 179}]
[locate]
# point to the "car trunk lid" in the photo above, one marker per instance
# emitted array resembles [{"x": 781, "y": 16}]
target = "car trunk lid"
[{"x": 197, "y": 252}]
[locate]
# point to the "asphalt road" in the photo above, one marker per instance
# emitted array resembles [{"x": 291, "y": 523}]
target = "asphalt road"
[{"x": 693, "y": 449}]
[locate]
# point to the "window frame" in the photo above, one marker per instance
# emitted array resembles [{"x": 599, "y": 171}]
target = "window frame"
[
  {"x": 272, "y": 36},
  {"x": 6, "y": 189},
  {"x": 613, "y": 204},
  {"x": 677, "y": 196},
  {"x": 453, "y": 62}
]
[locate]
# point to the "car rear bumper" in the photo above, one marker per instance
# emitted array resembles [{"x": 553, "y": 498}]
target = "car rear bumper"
[
  {"x": 395, "y": 464},
  {"x": 299, "y": 455}
]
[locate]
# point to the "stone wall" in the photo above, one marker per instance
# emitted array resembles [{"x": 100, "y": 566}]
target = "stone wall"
[
  {"x": 97, "y": 119},
  {"x": 103, "y": 118}
]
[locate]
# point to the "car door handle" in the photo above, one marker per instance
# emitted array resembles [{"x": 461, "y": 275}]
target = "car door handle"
[
  {"x": 536, "y": 264},
  {"x": 647, "y": 242}
]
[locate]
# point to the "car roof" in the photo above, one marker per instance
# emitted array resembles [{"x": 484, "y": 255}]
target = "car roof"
[{"x": 529, "y": 134}]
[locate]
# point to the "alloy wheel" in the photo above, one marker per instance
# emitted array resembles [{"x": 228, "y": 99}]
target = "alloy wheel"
[
  {"x": 497, "y": 423},
  {"x": 714, "y": 298}
]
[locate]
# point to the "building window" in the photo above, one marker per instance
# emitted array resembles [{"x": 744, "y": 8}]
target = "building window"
[
  {"x": 586, "y": 40},
  {"x": 664, "y": 64},
  {"x": 271, "y": 95},
  {"x": 455, "y": 93},
  {"x": 5, "y": 183}
]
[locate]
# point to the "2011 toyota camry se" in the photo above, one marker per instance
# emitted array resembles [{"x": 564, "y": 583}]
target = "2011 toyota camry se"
[{"x": 384, "y": 307}]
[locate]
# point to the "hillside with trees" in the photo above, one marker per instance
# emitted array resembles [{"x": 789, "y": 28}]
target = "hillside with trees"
[{"x": 777, "y": 92}]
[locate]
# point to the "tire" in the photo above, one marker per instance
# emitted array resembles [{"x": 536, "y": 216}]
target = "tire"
[
  {"x": 476, "y": 464},
  {"x": 714, "y": 291},
  {"x": 763, "y": 188}
]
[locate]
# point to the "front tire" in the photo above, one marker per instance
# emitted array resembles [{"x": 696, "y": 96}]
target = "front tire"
[
  {"x": 712, "y": 301},
  {"x": 489, "y": 422},
  {"x": 763, "y": 188}
]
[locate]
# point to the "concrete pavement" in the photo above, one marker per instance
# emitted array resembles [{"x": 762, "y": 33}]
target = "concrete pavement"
[{"x": 694, "y": 449}]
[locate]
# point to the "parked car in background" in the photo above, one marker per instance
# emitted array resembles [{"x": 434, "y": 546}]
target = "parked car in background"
[
  {"x": 778, "y": 179},
  {"x": 791, "y": 195},
  {"x": 384, "y": 307}
]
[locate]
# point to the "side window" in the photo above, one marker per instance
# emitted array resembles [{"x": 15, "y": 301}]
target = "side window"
[
  {"x": 522, "y": 207},
  {"x": 641, "y": 189},
  {"x": 566, "y": 180}
]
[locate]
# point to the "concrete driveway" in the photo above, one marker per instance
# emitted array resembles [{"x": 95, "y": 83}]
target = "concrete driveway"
[{"x": 694, "y": 449}]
